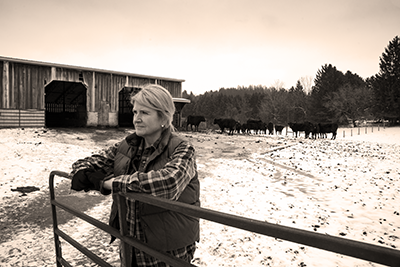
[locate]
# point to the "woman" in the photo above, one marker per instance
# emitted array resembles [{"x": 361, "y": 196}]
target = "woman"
[{"x": 153, "y": 160}]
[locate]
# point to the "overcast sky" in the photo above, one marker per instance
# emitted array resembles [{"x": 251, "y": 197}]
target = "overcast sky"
[{"x": 209, "y": 43}]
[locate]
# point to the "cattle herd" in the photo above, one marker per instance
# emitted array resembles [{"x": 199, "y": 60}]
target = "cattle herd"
[{"x": 311, "y": 130}]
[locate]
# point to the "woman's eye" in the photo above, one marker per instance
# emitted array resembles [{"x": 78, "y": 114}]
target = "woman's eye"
[{"x": 136, "y": 112}]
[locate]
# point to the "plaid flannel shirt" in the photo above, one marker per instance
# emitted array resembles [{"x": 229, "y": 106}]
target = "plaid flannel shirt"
[{"x": 168, "y": 182}]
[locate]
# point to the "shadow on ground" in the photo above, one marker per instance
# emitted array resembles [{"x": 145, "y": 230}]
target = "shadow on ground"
[{"x": 37, "y": 213}]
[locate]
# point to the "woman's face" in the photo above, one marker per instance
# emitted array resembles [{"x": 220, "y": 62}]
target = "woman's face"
[{"x": 147, "y": 123}]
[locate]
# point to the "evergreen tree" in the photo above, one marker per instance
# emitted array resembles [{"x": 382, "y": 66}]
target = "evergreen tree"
[
  {"x": 350, "y": 103},
  {"x": 386, "y": 84},
  {"x": 327, "y": 81},
  {"x": 297, "y": 104},
  {"x": 242, "y": 106},
  {"x": 189, "y": 109},
  {"x": 255, "y": 101}
]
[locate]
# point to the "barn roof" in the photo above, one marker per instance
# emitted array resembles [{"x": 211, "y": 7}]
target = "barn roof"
[
  {"x": 181, "y": 100},
  {"x": 48, "y": 64}
]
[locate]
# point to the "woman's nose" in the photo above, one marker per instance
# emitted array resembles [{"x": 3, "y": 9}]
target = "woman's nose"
[{"x": 136, "y": 118}]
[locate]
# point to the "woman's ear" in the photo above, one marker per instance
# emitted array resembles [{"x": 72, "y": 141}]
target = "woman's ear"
[{"x": 164, "y": 123}]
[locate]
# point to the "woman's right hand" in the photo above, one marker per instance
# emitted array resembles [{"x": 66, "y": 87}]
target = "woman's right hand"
[{"x": 80, "y": 181}]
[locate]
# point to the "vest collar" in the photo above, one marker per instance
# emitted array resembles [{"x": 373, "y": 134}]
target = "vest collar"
[{"x": 134, "y": 139}]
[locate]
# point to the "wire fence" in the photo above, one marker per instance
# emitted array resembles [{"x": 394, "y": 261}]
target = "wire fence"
[{"x": 360, "y": 130}]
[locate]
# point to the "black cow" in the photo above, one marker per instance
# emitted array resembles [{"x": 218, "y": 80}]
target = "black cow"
[
  {"x": 263, "y": 128},
  {"x": 256, "y": 125},
  {"x": 226, "y": 124},
  {"x": 244, "y": 128},
  {"x": 270, "y": 128},
  {"x": 315, "y": 132},
  {"x": 324, "y": 128},
  {"x": 278, "y": 129},
  {"x": 306, "y": 127},
  {"x": 238, "y": 127},
  {"x": 194, "y": 120}
]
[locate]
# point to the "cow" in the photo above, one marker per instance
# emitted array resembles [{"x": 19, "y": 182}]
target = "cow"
[
  {"x": 244, "y": 128},
  {"x": 238, "y": 127},
  {"x": 256, "y": 125},
  {"x": 226, "y": 124},
  {"x": 263, "y": 128},
  {"x": 278, "y": 129},
  {"x": 315, "y": 132},
  {"x": 324, "y": 128},
  {"x": 306, "y": 127},
  {"x": 270, "y": 128},
  {"x": 194, "y": 120}
]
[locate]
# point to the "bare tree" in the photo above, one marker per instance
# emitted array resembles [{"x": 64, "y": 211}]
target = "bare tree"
[
  {"x": 278, "y": 84},
  {"x": 307, "y": 82}
]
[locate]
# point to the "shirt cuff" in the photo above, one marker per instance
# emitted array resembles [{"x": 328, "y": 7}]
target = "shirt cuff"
[
  {"x": 122, "y": 182},
  {"x": 103, "y": 190}
]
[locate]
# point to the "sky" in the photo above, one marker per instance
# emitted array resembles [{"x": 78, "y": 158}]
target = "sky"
[{"x": 211, "y": 44}]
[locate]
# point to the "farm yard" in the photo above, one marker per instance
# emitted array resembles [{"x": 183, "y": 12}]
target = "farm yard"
[{"x": 346, "y": 187}]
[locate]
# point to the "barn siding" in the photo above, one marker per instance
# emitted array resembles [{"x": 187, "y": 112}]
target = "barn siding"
[
  {"x": 4, "y": 89},
  {"x": 65, "y": 74},
  {"x": 138, "y": 82},
  {"x": 103, "y": 88},
  {"x": 174, "y": 88},
  {"x": 25, "y": 86},
  {"x": 43, "y": 78},
  {"x": 88, "y": 80},
  {"x": 117, "y": 83}
]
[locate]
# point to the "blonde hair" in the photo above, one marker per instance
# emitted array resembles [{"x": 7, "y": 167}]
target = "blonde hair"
[{"x": 156, "y": 97}]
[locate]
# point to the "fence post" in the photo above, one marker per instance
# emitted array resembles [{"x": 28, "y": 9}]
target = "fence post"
[
  {"x": 57, "y": 242},
  {"x": 358, "y": 130},
  {"x": 344, "y": 134},
  {"x": 351, "y": 132},
  {"x": 126, "y": 250},
  {"x": 366, "y": 129}
]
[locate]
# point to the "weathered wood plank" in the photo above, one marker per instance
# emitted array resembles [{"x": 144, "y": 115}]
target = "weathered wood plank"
[
  {"x": 22, "y": 118},
  {"x": 6, "y": 85}
]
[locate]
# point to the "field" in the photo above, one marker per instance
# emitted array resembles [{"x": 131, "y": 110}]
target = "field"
[{"x": 346, "y": 187}]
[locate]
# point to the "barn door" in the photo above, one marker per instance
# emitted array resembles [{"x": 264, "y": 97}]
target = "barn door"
[{"x": 125, "y": 115}]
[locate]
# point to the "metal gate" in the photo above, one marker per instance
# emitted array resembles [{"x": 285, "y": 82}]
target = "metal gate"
[{"x": 360, "y": 250}]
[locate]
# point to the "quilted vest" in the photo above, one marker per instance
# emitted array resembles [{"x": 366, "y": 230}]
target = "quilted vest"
[{"x": 163, "y": 229}]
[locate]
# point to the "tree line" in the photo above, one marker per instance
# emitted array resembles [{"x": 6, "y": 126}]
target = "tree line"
[{"x": 343, "y": 98}]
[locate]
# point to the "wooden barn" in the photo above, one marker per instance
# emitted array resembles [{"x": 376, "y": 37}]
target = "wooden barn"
[{"x": 40, "y": 94}]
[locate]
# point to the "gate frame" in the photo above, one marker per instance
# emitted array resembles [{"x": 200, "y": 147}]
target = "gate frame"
[{"x": 352, "y": 248}]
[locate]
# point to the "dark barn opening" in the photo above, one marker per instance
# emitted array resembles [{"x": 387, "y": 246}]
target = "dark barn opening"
[
  {"x": 65, "y": 104},
  {"x": 179, "y": 104},
  {"x": 125, "y": 115}
]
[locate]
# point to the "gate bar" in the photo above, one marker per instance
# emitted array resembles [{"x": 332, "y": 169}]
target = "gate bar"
[{"x": 82, "y": 249}]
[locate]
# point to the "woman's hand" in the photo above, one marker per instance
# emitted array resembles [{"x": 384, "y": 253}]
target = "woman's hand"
[{"x": 80, "y": 180}]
